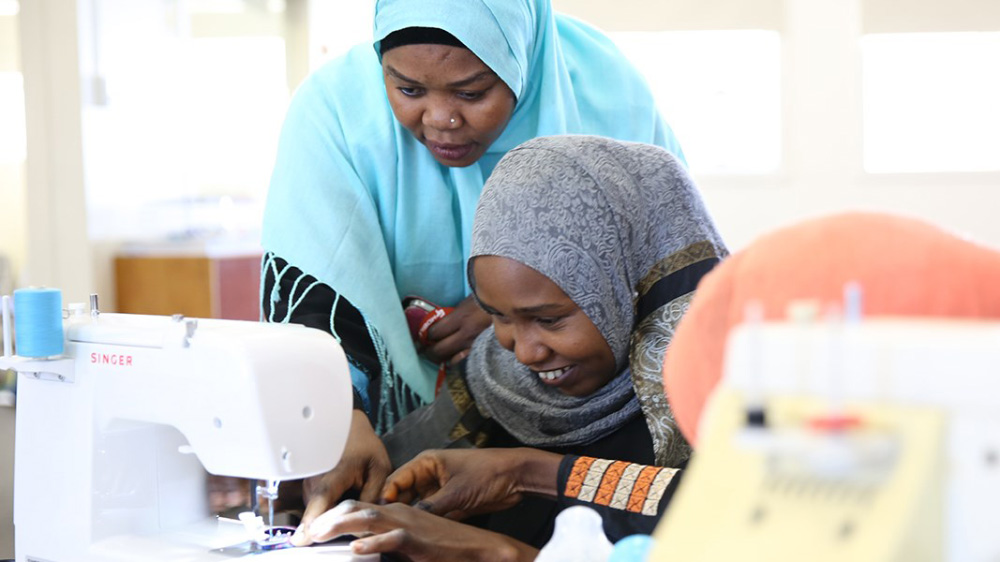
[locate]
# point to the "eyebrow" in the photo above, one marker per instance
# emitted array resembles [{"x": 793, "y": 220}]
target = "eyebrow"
[
  {"x": 456, "y": 84},
  {"x": 538, "y": 309}
]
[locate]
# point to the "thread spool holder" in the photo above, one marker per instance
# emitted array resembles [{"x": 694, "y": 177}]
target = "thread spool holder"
[{"x": 58, "y": 369}]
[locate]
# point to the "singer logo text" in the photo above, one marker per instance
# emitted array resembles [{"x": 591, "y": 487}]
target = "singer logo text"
[{"x": 111, "y": 359}]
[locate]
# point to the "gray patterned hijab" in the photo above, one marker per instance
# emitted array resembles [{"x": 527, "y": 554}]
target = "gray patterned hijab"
[{"x": 622, "y": 230}]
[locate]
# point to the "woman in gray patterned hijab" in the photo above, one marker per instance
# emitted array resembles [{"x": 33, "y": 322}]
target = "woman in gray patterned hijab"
[
  {"x": 586, "y": 252},
  {"x": 621, "y": 229}
]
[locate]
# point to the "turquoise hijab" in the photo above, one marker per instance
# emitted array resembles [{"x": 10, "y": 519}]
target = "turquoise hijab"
[{"x": 357, "y": 202}]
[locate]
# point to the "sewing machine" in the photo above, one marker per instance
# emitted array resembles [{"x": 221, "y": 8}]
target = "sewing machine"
[
  {"x": 867, "y": 440},
  {"x": 114, "y": 436}
]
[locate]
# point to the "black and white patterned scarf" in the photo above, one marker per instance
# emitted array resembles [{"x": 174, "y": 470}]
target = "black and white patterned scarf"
[{"x": 623, "y": 231}]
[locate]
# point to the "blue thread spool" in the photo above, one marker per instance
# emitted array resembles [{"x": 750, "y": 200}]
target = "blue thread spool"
[{"x": 38, "y": 322}]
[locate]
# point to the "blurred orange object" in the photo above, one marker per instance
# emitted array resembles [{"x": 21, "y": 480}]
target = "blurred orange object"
[{"x": 905, "y": 267}]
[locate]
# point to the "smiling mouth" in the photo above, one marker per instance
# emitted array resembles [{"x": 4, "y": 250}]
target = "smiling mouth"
[
  {"x": 452, "y": 152},
  {"x": 553, "y": 377}
]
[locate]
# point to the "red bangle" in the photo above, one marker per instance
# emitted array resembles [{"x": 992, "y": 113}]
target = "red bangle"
[{"x": 429, "y": 320}]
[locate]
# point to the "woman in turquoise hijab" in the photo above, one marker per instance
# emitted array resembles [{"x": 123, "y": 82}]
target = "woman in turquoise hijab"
[{"x": 380, "y": 165}]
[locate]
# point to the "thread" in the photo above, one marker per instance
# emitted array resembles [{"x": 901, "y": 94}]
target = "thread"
[{"x": 38, "y": 329}]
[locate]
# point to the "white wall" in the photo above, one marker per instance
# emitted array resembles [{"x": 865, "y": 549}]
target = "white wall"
[
  {"x": 12, "y": 203},
  {"x": 12, "y": 227},
  {"x": 57, "y": 249},
  {"x": 822, "y": 168},
  {"x": 821, "y": 109}
]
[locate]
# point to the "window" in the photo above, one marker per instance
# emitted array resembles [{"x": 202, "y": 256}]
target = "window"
[
  {"x": 182, "y": 119},
  {"x": 930, "y": 102},
  {"x": 12, "y": 126},
  {"x": 719, "y": 90}
]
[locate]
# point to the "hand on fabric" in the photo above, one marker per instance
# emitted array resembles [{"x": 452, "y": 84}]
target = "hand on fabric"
[
  {"x": 363, "y": 466},
  {"x": 457, "y": 483},
  {"x": 415, "y": 534},
  {"x": 450, "y": 338}
]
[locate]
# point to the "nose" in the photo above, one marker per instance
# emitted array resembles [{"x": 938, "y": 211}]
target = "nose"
[
  {"x": 441, "y": 116},
  {"x": 528, "y": 348}
]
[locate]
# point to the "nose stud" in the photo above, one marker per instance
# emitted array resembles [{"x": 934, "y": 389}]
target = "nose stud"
[{"x": 452, "y": 120}]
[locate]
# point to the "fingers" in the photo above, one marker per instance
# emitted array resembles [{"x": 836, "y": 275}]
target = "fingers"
[
  {"x": 457, "y": 358},
  {"x": 400, "y": 484},
  {"x": 444, "y": 327},
  {"x": 331, "y": 523},
  {"x": 415, "y": 535},
  {"x": 450, "y": 337},
  {"x": 458, "y": 515},
  {"x": 327, "y": 490},
  {"x": 415, "y": 479},
  {"x": 391, "y": 492},
  {"x": 393, "y": 541},
  {"x": 440, "y": 503},
  {"x": 370, "y": 492},
  {"x": 364, "y": 466},
  {"x": 333, "y": 486},
  {"x": 302, "y": 536},
  {"x": 350, "y": 517},
  {"x": 443, "y": 350}
]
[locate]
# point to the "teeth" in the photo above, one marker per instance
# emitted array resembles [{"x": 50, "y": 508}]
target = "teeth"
[{"x": 552, "y": 375}]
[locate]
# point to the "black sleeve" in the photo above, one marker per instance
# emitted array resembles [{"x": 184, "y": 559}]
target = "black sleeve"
[
  {"x": 284, "y": 284},
  {"x": 630, "y": 497}
]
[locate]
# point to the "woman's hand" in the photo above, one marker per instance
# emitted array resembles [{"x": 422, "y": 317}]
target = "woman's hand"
[
  {"x": 415, "y": 534},
  {"x": 364, "y": 466},
  {"x": 449, "y": 339},
  {"x": 457, "y": 483}
]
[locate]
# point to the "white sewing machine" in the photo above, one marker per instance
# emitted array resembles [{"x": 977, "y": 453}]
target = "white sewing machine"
[
  {"x": 877, "y": 440},
  {"x": 114, "y": 436}
]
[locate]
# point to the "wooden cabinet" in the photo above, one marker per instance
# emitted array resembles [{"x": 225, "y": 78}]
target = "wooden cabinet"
[{"x": 193, "y": 285}]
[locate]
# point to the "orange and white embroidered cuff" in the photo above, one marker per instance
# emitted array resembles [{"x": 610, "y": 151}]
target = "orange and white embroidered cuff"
[{"x": 617, "y": 484}]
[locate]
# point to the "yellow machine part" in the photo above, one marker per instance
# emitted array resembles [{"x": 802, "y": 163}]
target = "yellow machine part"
[{"x": 731, "y": 505}]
